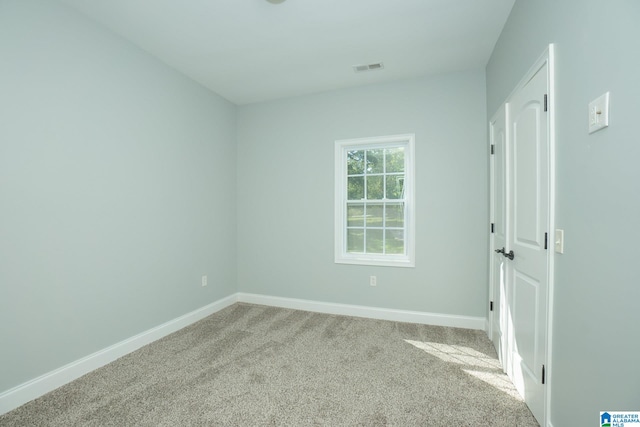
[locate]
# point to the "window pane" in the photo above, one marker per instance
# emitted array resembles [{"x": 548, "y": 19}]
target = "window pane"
[
  {"x": 374, "y": 215},
  {"x": 355, "y": 188},
  {"x": 394, "y": 243},
  {"x": 375, "y": 161},
  {"x": 355, "y": 162},
  {"x": 395, "y": 186},
  {"x": 355, "y": 240},
  {"x": 394, "y": 215},
  {"x": 374, "y": 187},
  {"x": 374, "y": 241},
  {"x": 355, "y": 215},
  {"x": 395, "y": 159}
]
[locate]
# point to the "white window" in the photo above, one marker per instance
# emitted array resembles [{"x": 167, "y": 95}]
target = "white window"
[{"x": 374, "y": 207}]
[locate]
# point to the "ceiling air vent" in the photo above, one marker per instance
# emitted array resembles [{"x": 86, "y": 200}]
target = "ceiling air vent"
[{"x": 368, "y": 67}]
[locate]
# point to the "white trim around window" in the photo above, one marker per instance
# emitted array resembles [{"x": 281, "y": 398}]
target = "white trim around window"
[{"x": 375, "y": 201}]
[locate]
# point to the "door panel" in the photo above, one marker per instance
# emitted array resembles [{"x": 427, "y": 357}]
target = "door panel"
[
  {"x": 526, "y": 169},
  {"x": 525, "y": 296}
]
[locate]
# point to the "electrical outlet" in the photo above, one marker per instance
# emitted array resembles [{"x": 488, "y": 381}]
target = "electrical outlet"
[
  {"x": 599, "y": 113},
  {"x": 373, "y": 281},
  {"x": 204, "y": 280}
]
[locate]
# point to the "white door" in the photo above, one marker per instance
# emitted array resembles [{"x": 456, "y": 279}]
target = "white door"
[
  {"x": 498, "y": 140},
  {"x": 521, "y": 216},
  {"x": 528, "y": 211}
]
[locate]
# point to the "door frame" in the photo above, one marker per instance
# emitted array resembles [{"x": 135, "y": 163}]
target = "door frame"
[{"x": 548, "y": 58}]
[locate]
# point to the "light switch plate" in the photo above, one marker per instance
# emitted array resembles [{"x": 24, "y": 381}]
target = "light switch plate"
[
  {"x": 599, "y": 113},
  {"x": 559, "y": 241}
]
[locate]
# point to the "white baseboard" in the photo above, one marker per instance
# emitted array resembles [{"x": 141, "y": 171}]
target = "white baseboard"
[
  {"x": 436, "y": 319},
  {"x": 37, "y": 387}
]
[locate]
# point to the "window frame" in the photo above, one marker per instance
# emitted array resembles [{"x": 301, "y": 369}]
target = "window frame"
[{"x": 342, "y": 147}]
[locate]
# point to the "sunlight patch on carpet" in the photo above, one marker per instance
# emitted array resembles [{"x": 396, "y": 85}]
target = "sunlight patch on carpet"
[{"x": 473, "y": 362}]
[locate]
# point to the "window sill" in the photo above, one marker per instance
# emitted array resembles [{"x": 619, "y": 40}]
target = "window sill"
[{"x": 356, "y": 260}]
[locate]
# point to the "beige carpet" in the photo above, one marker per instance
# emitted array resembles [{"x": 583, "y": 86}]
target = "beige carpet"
[{"x": 251, "y": 365}]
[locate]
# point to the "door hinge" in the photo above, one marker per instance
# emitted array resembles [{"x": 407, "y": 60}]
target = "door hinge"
[
  {"x": 490, "y": 305},
  {"x": 545, "y": 102},
  {"x": 546, "y": 240},
  {"x": 493, "y": 149},
  {"x": 493, "y": 227},
  {"x": 543, "y": 375}
]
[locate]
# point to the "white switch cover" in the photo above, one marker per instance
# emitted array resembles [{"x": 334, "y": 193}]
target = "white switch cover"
[
  {"x": 559, "y": 241},
  {"x": 599, "y": 113}
]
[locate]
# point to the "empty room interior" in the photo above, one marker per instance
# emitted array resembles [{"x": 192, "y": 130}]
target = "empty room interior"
[{"x": 163, "y": 163}]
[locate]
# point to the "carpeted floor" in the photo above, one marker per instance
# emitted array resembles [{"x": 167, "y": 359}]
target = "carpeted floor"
[{"x": 251, "y": 365}]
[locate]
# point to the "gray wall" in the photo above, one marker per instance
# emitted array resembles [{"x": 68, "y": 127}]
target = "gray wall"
[
  {"x": 117, "y": 191},
  {"x": 596, "y": 337},
  {"x": 286, "y": 194}
]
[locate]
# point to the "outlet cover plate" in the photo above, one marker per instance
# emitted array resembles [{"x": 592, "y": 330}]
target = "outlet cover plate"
[{"x": 599, "y": 113}]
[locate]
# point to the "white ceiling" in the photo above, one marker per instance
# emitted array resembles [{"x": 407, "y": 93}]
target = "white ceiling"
[{"x": 251, "y": 50}]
